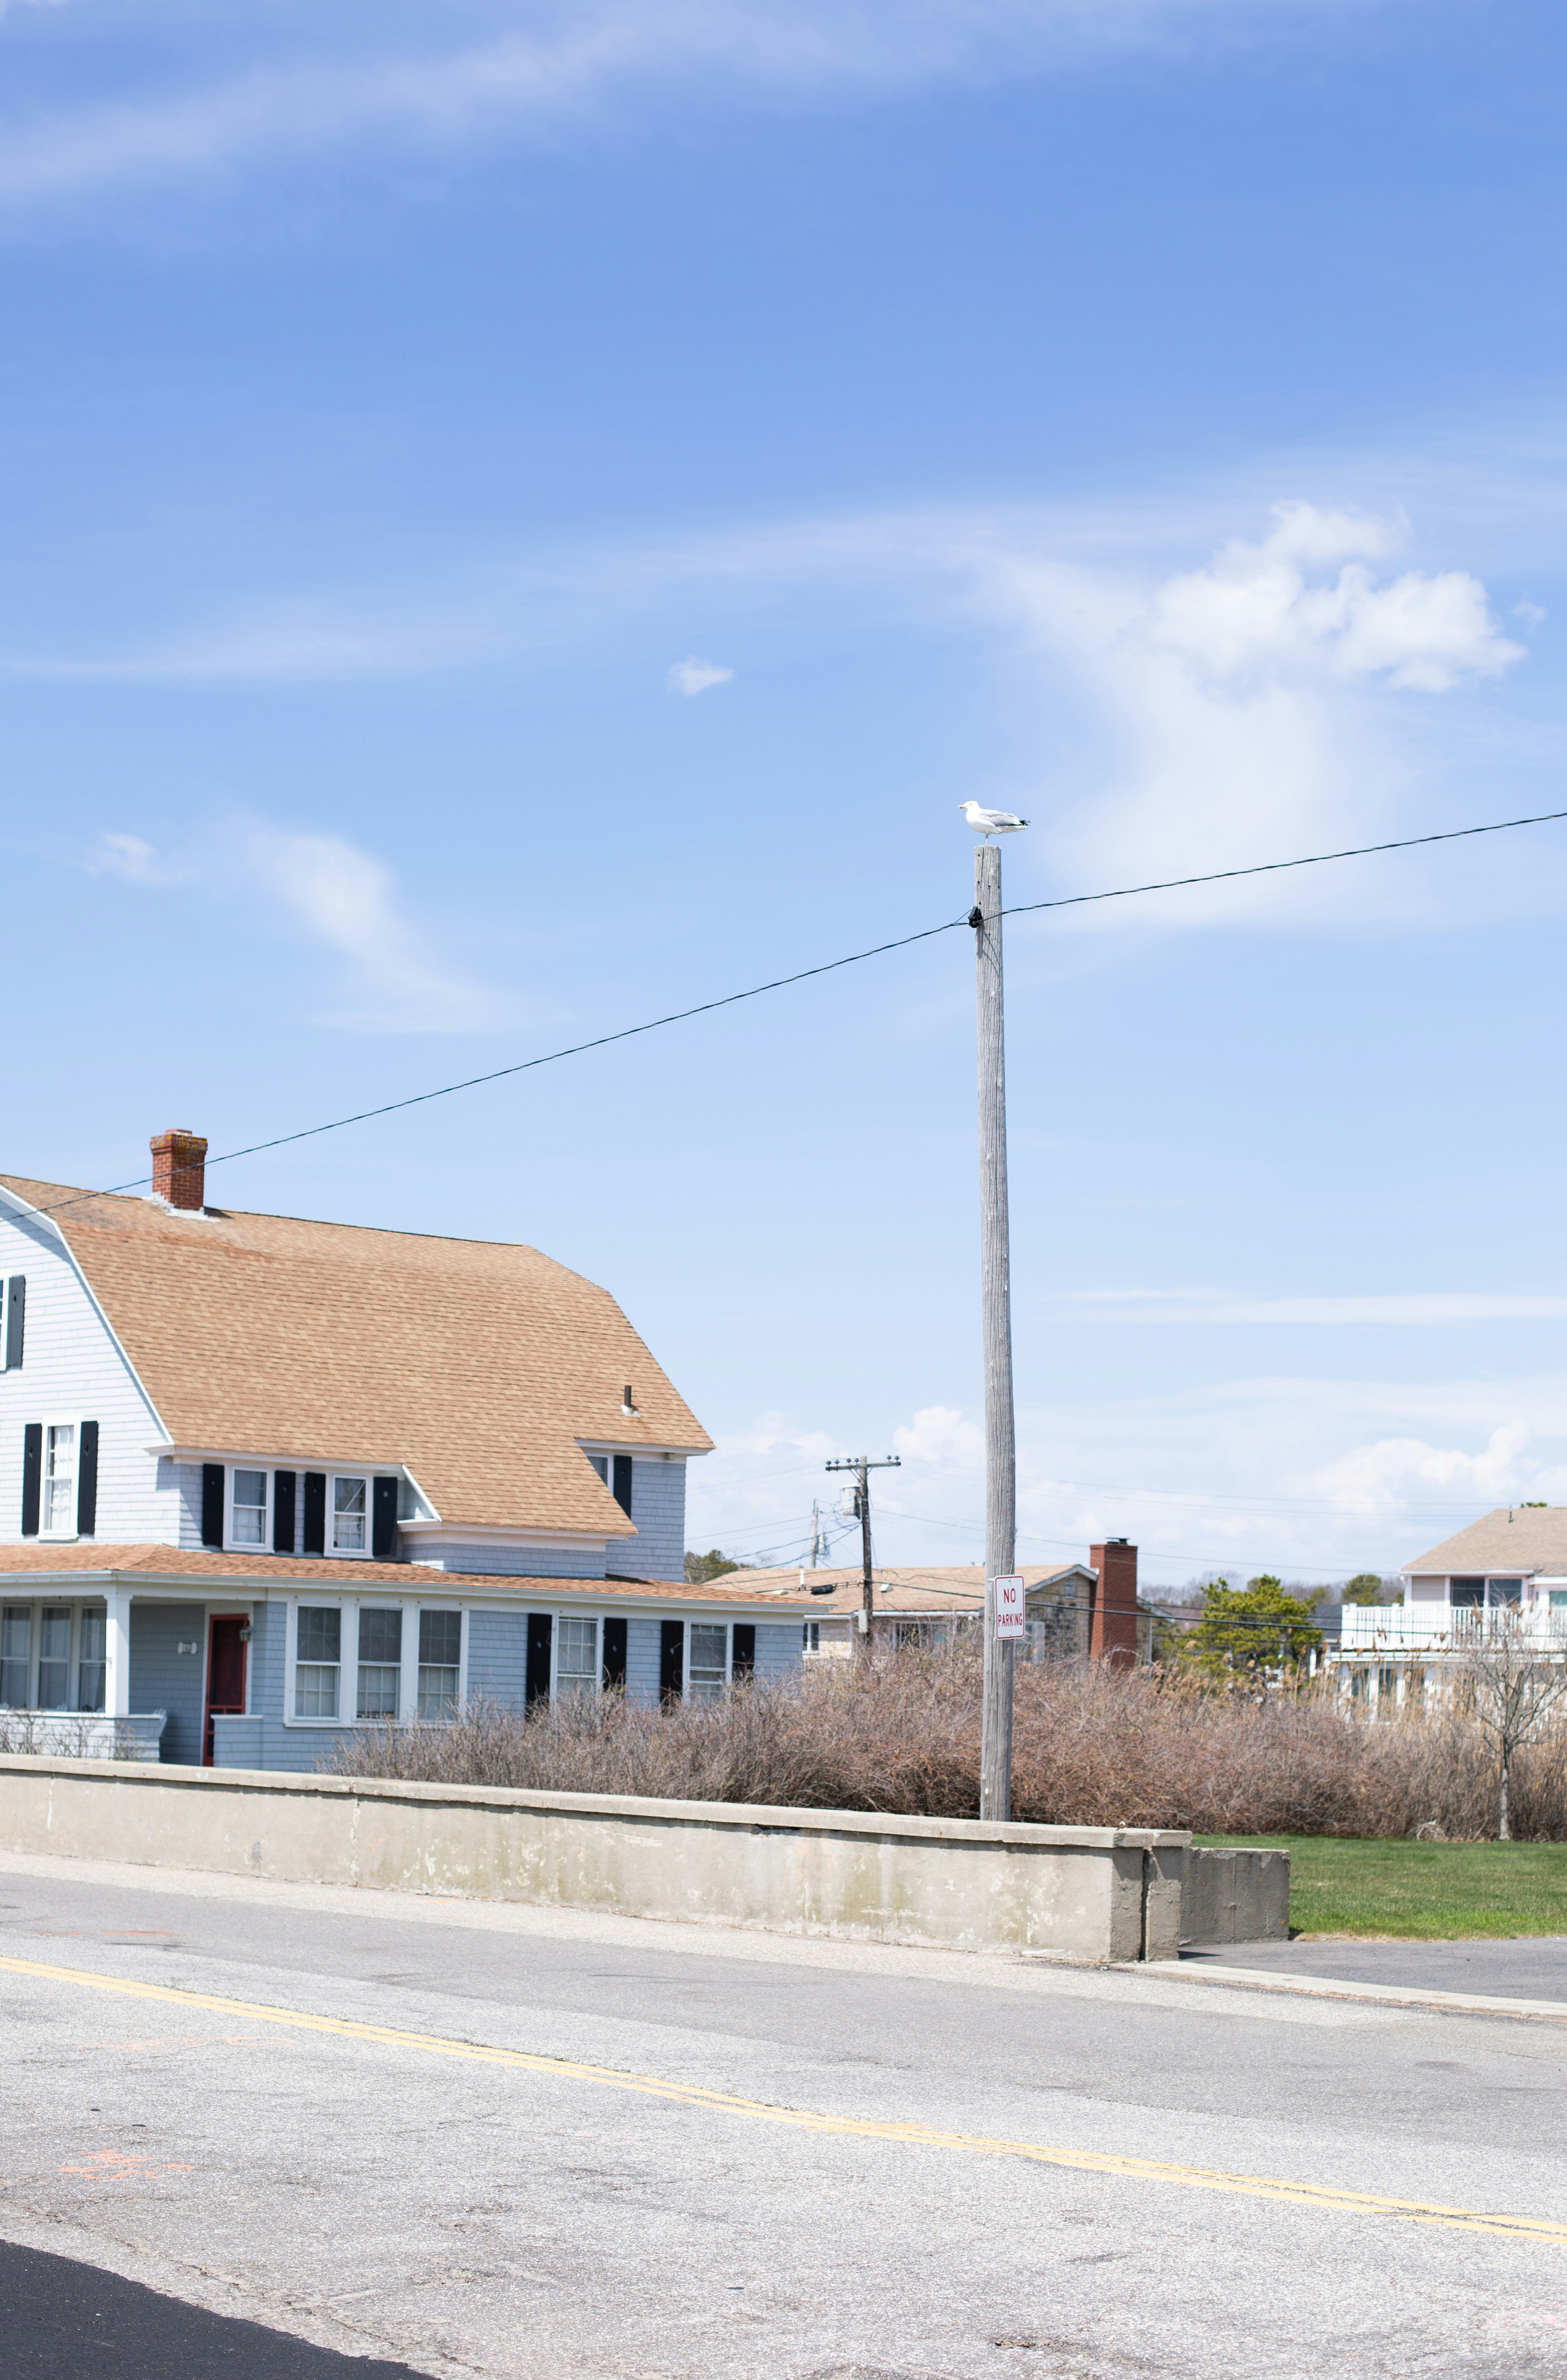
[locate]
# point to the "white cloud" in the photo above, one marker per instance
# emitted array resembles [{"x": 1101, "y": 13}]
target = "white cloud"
[
  {"x": 339, "y": 897},
  {"x": 549, "y": 62},
  {"x": 348, "y": 901},
  {"x": 127, "y": 855},
  {"x": 1389, "y": 1474},
  {"x": 1258, "y": 610},
  {"x": 693, "y": 677},
  {"x": 1420, "y": 1308}
]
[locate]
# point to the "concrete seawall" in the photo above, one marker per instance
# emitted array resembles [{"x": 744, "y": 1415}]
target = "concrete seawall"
[{"x": 1097, "y": 1893}]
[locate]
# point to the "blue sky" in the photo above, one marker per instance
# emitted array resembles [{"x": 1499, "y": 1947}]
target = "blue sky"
[{"x": 523, "y": 517}]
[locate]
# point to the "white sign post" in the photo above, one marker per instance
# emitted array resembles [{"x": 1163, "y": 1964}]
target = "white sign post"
[{"x": 1011, "y": 1620}]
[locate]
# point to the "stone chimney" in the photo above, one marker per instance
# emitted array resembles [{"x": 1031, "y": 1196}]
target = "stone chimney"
[
  {"x": 1112, "y": 1623},
  {"x": 179, "y": 1170}
]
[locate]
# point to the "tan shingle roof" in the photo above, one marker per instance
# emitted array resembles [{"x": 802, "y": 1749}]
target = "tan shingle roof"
[
  {"x": 1516, "y": 1540},
  {"x": 477, "y": 1363},
  {"x": 246, "y": 1574},
  {"x": 930, "y": 1591}
]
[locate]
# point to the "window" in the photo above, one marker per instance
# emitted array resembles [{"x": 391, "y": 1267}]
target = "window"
[
  {"x": 601, "y": 1463},
  {"x": 348, "y": 1516},
  {"x": 1504, "y": 1591},
  {"x": 90, "y": 1666},
  {"x": 709, "y": 1662},
  {"x": 54, "y": 1659},
  {"x": 440, "y": 1654},
  {"x": 248, "y": 1525},
  {"x": 317, "y": 1653},
  {"x": 380, "y": 1664},
  {"x": 1559, "y": 1598},
  {"x": 16, "y": 1655},
  {"x": 1468, "y": 1594},
  {"x": 1387, "y": 1689},
  {"x": 810, "y": 1635},
  {"x": 576, "y": 1657},
  {"x": 59, "y": 1479}
]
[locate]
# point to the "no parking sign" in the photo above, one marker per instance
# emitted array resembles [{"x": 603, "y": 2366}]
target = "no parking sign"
[{"x": 1008, "y": 1606}]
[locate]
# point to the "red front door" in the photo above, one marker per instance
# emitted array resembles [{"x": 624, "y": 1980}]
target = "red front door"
[{"x": 225, "y": 1675}]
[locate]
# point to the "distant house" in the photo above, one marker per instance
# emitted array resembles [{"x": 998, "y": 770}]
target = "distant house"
[
  {"x": 263, "y": 1480},
  {"x": 1509, "y": 1569},
  {"x": 1089, "y": 1608}
]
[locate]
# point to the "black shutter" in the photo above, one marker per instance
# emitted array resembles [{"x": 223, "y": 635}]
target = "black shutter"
[
  {"x": 672, "y": 1660},
  {"x": 87, "y": 1482},
  {"x": 283, "y": 1484},
  {"x": 15, "y": 1321},
  {"x": 537, "y": 1685},
  {"x": 211, "y": 1503},
  {"x": 32, "y": 1476},
  {"x": 383, "y": 1519},
  {"x": 743, "y": 1657},
  {"x": 614, "y": 1653},
  {"x": 315, "y": 1512},
  {"x": 623, "y": 1483}
]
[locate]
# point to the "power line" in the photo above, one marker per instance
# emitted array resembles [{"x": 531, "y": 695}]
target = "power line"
[{"x": 805, "y": 975}]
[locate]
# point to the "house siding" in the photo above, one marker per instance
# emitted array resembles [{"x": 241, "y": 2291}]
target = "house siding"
[
  {"x": 72, "y": 1369},
  {"x": 780, "y": 1652},
  {"x": 508, "y": 1561},
  {"x": 162, "y": 1679},
  {"x": 642, "y": 1660},
  {"x": 497, "y": 1657},
  {"x": 658, "y": 1514}
]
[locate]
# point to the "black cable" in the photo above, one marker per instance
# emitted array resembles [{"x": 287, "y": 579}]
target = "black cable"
[{"x": 804, "y": 975}]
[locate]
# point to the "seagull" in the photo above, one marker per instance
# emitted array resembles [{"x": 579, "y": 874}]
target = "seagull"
[{"x": 990, "y": 822}]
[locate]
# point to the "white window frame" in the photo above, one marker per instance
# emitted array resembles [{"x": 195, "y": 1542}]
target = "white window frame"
[
  {"x": 48, "y": 1537},
  {"x": 376, "y": 1603},
  {"x": 728, "y": 1628},
  {"x": 29, "y": 1659},
  {"x": 231, "y": 1543},
  {"x": 349, "y": 1553},
  {"x": 595, "y": 1620},
  {"x": 348, "y": 1606},
  {"x": 347, "y": 1657},
  {"x": 412, "y": 1615}
]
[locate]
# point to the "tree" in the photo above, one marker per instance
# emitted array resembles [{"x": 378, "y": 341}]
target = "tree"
[
  {"x": 700, "y": 1568},
  {"x": 1515, "y": 1687},
  {"x": 1365, "y": 1586},
  {"x": 1253, "y": 1627}
]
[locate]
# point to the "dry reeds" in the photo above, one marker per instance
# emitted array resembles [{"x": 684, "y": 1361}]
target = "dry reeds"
[{"x": 1090, "y": 1748}]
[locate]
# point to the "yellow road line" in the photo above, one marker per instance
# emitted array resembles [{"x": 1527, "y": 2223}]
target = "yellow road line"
[{"x": 691, "y": 2095}]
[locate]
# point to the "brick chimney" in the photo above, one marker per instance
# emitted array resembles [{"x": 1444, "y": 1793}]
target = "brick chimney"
[
  {"x": 179, "y": 1170},
  {"x": 1112, "y": 1623}
]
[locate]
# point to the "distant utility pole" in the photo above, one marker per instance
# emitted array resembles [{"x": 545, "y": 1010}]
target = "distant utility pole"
[
  {"x": 862, "y": 1468},
  {"x": 818, "y": 1545},
  {"x": 995, "y": 1269}
]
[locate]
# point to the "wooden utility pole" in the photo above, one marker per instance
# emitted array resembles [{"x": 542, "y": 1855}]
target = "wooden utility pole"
[
  {"x": 995, "y": 1272},
  {"x": 862, "y": 1467}
]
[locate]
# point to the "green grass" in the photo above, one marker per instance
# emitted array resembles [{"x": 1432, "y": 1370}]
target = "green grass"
[{"x": 1425, "y": 1892}]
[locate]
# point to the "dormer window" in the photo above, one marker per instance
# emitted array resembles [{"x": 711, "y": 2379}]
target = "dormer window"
[
  {"x": 248, "y": 1523},
  {"x": 349, "y": 1512}
]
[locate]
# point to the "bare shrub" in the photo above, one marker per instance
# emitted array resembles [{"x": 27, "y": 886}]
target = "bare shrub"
[{"x": 1091, "y": 1747}]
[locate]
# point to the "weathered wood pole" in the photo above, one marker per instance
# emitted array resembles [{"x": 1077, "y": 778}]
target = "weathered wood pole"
[{"x": 995, "y": 1275}]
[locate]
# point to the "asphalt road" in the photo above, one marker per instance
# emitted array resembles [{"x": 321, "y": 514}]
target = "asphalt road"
[{"x": 602, "y": 2148}]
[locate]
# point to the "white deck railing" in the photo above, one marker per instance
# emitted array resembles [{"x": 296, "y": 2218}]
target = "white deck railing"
[{"x": 1435, "y": 1627}]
